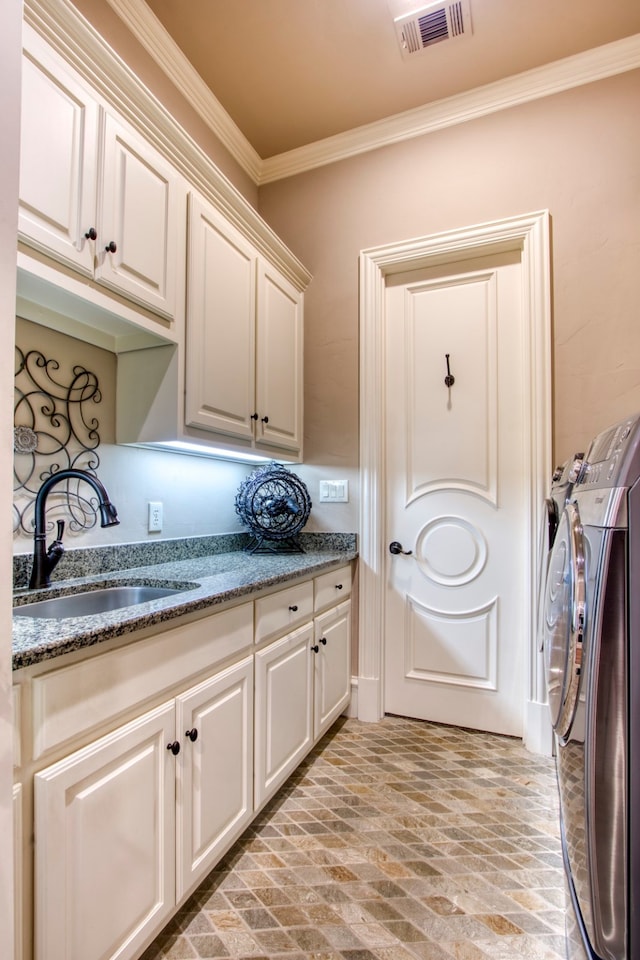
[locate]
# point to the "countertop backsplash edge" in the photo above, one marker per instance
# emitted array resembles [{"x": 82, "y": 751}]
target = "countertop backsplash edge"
[{"x": 89, "y": 561}]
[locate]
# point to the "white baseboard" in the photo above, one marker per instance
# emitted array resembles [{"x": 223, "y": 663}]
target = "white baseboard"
[
  {"x": 351, "y": 710},
  {"x": 538, "y": 733},
  {"x": 369, "y": 708}
]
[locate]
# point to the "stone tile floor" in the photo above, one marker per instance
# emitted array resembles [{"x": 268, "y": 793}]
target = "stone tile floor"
[{"x": 399, "y": 840}]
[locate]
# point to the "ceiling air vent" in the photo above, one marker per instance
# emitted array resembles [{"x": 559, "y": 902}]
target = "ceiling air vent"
[{"x": 421, "y": 29}]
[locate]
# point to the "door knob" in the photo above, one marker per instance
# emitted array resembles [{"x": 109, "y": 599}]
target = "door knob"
[{"x": 395, "y": 548}]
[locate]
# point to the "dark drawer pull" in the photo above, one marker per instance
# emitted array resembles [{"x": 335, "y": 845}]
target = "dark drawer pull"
[
  {"x": 338, "y": 586},
  {"x": 174, "y": 747},
  {"x": 294, "y": 608},
  {"x": 192, "y": 734}
]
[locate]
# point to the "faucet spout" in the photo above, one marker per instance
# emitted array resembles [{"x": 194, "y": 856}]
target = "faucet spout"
[{"x": 44, "y": 562}]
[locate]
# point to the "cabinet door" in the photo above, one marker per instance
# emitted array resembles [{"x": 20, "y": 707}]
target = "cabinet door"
[
  {"x": 279, "y": 362},
  {"x": 215, "y": 783},
  {"x": 283, "y": 709},
  {"x": 105, "y": 843},
  {"x": 221, "y": 304},
  {"x": 142, "y": 212},
  {"x": 57, "y": 158},
  {"x": 332, "y": 663}
]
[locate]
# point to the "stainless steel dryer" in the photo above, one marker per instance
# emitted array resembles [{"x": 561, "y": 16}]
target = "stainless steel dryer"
[{"x": 592, "y": 648}]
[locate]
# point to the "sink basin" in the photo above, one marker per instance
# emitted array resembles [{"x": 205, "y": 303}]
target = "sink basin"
[{"x": 92, "y": 602}]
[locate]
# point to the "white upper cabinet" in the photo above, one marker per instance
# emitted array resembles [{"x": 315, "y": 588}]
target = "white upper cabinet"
[
  {"x": 200, "y": 300},
  {"x": 244, "y": 339},
  {"x": 221, "y": 297},
  {"x": 58, "y": 158},
  {"x": 278, "y": 361},
  {"x": 140, "y": 218},
  {"x": 94, "y": 195}
]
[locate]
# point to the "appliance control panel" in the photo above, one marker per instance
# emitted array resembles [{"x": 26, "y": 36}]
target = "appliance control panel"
[{"x": 611, "y": 455}]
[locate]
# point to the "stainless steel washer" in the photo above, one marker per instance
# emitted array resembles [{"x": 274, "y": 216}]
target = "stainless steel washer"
[
  {"x": 562, "y": 483},
  {"x": 591, "y": 642}
]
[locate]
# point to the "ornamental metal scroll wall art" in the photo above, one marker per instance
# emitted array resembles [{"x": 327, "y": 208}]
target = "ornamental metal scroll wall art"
[{"x": 53, "y": 430}]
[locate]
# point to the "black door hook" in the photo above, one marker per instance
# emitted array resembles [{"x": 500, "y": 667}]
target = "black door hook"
[{"x": 449, "y": 380}]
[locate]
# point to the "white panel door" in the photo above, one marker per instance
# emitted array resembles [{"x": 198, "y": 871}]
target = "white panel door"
[
  {"x": 105, "y": 843},
  {"x": 221, "y": 312},
  {"x": 278, "y": 361},
  {"x": 58, "y": 161},
  {"x": 214, "y": 723},
  {"x": 141, "y": 220},
  {"x": 454, "y": 633}
]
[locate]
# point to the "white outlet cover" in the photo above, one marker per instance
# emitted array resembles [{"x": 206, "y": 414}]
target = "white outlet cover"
[{"x": 155, "y": 516}]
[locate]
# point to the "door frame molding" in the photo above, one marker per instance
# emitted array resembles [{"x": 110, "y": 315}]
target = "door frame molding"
[{"x": 528, "y": 234}]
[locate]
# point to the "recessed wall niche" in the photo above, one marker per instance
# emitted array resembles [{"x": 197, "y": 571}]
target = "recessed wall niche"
[{"x": 68, "y": 414}]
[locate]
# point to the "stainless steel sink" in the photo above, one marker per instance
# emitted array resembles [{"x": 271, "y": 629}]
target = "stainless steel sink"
[{"x": 92, "y": 602}]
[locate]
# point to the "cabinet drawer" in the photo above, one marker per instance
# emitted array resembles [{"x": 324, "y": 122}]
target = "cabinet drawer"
[
  {"x": 332, "y": 587},
  {"x": 281, "y": 611},
  {"x": 72, "y": 700}
]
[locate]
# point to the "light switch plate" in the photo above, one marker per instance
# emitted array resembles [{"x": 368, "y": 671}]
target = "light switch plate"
[{"x": 334, "y": 491}]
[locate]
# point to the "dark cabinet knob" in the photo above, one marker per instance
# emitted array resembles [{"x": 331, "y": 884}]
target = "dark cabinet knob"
[
  {"x": 111, "y": 247},
  {"x": 323, "y": 641},
  {"x": 294, "y": 608},
  {"x": 315, "y": 648},
  {"x": 174, "y": 748},
  {"x": 264, "y": 419},
  {"x": 338, "y": 586},
  {"x": 91, "y": 234},
  {"x": 254, "y": 416},
  {"x": 192, "y": 734}
]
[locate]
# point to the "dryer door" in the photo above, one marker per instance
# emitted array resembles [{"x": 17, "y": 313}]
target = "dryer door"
[
  {"x": 564, "y": 620},
  {"x": 548, "y": 529}
]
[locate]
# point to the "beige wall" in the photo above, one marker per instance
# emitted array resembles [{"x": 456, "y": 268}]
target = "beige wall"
[{"x": 576, "y": 153}]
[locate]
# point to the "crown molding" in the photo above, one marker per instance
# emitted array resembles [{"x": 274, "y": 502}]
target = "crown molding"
[
  {"x": 596, "y": 64},
  {"x": 66, "y": 31},
  {"x": 582, "y": 68},
  {"x": 149, "y": 32}
]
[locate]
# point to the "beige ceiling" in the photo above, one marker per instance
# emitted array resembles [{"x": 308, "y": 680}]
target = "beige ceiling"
[{"x": 292, "y": 72}]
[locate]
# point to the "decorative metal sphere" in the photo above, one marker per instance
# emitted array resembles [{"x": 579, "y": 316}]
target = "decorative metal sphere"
[{"x": 274, "y": 504}]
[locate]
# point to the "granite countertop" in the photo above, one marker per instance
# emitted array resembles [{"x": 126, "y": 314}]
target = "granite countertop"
[{"x": 210, "y": 581}]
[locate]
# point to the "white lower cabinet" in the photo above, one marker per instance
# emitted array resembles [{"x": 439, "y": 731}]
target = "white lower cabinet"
[
  {"x": 331, "y": 663},
  {"x": 302, "y": 684},
  {"x": 105, "y": 843},
  {"x": 283, "y": 709},
  {"x": 127, "y": 825},
  {"x": 215, "y": 784},
  {"x": 130, "y": 818}
]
